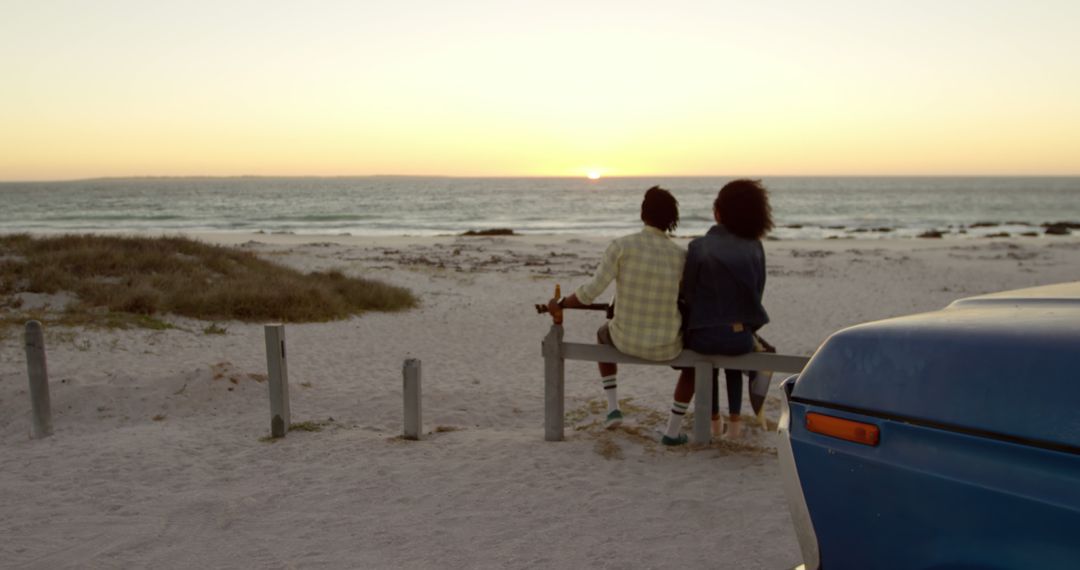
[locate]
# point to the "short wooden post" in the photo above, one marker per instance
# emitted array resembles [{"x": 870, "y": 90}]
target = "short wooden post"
[
  {"x": 41, "y": 414},
  {"x": 278, "y": 373},
  {"x": 702, "y": 402},
  {"x": 554, "y": 384},
  {"x": 410, "y": 372}
]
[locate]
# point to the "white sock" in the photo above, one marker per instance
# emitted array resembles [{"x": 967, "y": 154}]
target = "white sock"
[
  {"x": 611, "y": 391},
  {"x": 674, "y": 423}
]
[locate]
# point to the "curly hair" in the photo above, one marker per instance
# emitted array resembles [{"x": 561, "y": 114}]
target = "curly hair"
[
  {"x": 744, "y": 208},
  {"x": 660, "y": 209}
]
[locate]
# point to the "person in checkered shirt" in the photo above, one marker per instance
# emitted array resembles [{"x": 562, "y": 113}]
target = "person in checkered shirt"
[{"x": 646, "y": 267}]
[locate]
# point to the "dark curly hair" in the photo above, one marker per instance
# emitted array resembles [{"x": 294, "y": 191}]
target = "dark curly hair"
[
  {"x": 660, "y": 209},
  {"x": 744, "y": 208}
]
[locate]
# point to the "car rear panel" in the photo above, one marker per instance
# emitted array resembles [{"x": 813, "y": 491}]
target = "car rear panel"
[{"x": 977, "y": 463}]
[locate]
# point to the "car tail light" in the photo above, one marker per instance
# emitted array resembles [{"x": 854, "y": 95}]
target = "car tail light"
[{"x": 858, "y": 432}]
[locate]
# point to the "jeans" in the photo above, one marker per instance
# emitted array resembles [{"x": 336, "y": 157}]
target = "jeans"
[{"x": 726, "y": 342}]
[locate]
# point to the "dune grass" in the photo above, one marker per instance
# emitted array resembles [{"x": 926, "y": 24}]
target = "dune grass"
[{"x": 129, "y": 281}]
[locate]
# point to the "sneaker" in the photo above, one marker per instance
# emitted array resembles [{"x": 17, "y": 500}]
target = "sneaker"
[
  {"x": 673, "y": 441},
  {"x": 614, "y": 419}
]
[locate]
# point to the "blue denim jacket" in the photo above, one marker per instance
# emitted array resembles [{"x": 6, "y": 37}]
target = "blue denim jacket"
[{"x": 723, "y": 281}]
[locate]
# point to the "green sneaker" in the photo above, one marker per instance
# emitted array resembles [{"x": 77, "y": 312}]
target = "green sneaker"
[
  {"x": 673, "y": 441},
  {"x": 614, "y": 419}
]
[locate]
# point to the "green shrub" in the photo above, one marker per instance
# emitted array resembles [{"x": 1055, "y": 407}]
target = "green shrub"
[{"x": 174, "y": 275}]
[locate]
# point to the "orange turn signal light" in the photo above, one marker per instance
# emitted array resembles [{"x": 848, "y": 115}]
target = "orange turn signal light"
[{"x": 866, "y": 434}]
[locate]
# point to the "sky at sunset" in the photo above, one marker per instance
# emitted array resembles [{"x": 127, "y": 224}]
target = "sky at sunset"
[{"x": 553, "y": 88}]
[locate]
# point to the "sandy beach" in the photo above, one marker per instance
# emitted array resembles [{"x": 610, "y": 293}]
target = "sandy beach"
[{"x": 160, "y": 457}]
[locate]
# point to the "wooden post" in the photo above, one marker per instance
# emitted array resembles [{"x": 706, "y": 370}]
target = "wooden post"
[
  {"x": 41, "y": 415},
  {"x": 554, "y": 384},
  {"x": 278, "y": 373},
  {"x": 413, "y": 418},
  {"x": 702, "y": 402}
]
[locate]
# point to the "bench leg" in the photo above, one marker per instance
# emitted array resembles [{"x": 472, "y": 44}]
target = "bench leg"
[
  {"x": 554, "y": 384},
  {"x": 702, "y": 402}
]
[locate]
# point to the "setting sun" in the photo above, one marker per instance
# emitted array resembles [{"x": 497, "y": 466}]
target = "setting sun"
[{"x": 593, "y": 175}]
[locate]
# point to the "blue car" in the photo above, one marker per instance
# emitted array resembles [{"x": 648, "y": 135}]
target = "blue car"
[{"x": 948, "y": 439}]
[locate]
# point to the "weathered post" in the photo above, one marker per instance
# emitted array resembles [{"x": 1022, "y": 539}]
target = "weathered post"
[
  {"x": 278, "y": 373},
  {"x": 410, "y": 372},
  {"x": 41, "y": 414},
  {"x": 702, "y": 402},
  {"x": 554, "y": 384}
]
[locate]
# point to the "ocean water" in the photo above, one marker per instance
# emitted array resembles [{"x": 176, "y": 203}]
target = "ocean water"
[{"x": 803, "y": 207}]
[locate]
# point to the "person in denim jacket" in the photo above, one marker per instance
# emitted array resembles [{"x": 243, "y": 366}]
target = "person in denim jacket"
[{"x": 722, "y": 286}]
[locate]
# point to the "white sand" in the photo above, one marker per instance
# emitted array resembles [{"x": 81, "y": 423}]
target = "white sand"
[{"x": 157, "y": 459}]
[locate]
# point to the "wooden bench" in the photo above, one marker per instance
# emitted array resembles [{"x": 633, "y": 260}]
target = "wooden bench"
[{"x": 556, "y": 353}]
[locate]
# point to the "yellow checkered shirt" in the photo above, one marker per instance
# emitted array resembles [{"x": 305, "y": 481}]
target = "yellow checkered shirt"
[{"x": 647, "y": 267}]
